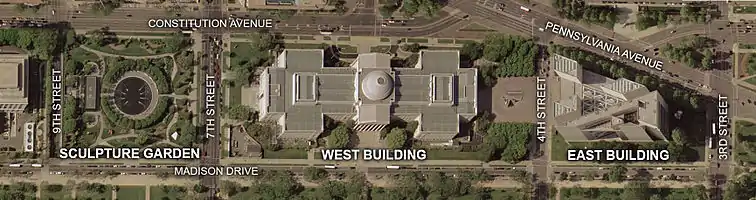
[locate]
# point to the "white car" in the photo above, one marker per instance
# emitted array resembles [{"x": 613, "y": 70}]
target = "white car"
[{"x": 540, "y": 29}]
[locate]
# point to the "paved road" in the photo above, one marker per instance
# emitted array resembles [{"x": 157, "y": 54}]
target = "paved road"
[
  {"x": 211, "y": 63},
  {"x": 511, "y": 16},
  {"x": 135, "y": 19}
]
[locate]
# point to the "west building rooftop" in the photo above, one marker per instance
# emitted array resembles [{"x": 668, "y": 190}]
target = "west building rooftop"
[
  {"x": 14, "y": 82},
  {"x": 297, "y": 92}
]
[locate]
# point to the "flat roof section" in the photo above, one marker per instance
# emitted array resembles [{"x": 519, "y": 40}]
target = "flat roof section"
[
  {"x": 11, "y": 73},
  {"x": 304, "y": 87},
  {"x": 442, "y": 88},
  {"x": 92, "y": 94}
]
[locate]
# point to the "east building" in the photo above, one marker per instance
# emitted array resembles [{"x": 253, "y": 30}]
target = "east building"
[
  {"x": 297, "y": 92},
  {"x": 591, "y": 107}
]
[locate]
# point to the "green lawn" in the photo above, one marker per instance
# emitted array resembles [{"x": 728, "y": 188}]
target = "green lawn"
[
  {"x": 241, "y": 52},
  {"x": 291, "y": 37},
  {"x": 234, "y": 95},
  {"x": 416, "y": 40},
  {"x": 443, "y": 48},
  {"x": 463, "y": 41},
  {"x": 445, "y": 41},
  {"x": 751, "y": 80},
  {"x": 156, "y": 192},
  {"x": 304, "y": 46},
  {"x": 306, "y": 37},
  {"x": 746, "y": 46},
  {"x": 131, "y": 192},
  {"x": 107, "y": 195},
  {"x": 383, "y": 39},
  {"x": 348, "y": 48},
  {"x": 142, "y": 34},
  {"x": 344, "y": 39},
  {"x": 475, "y": 27},
  {"x": 82, "y": 55},
  {"x": 390, "y": 49},
  {"x": 450, "y": 154},
  {"x": 745, "y": 9},
  {"x": 55, "y": 195},
  {"x": 558, "y": 148},
  {"x": 285, "y": 154},
  {"x": 129, "y": 50}
]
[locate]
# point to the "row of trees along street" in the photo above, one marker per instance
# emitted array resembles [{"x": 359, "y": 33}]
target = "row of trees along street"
[
  {"x": 636, "y": 190},
  {"x": 684, "y": 104},
  {"x": 354, "y": 186},
  {"x": 501, "y": 55},
  {"x": 577, "y": 10},
  {"x": 694, "y": 12},
  {"x": 689, "y": 52},
  {"x": 411, "y": 8}
]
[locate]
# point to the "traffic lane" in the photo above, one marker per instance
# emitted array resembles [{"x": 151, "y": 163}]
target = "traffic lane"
[
  {"x": 359, "y": 19},
  {"x": 369, "y": 30},
  {"x": 683, "y": 73},
  {"x": 542, "y": 11},
  {"x": 682, "y": 31},
  {"x": 489, "y": 14}
]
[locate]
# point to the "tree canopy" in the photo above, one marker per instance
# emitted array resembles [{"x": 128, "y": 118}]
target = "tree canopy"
[
  {"x": 411, "y": 8},
  {"x": 396, "y": 139},
  {"x": 578, "y": 10},
  {"x": 509, "y": 140},
  {"x": 741, "y": 188},
  {"x": 339, "y": 137}
]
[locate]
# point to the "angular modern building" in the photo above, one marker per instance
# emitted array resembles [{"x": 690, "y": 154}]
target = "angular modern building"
[
  {"x": 14, "y": 82},
  {"x": 591, "y": 107},
  {"x": 297, "y": 92}
]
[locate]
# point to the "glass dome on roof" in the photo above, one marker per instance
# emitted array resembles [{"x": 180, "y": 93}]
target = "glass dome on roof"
[{"x": 377, "y": 85}]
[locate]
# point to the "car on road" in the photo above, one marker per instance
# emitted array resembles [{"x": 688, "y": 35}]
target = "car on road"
[{"x": 524, "y": 9}]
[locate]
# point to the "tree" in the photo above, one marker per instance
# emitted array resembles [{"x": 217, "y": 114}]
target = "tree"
[
  {"x": 636, "y": 190},
  {"x": 387, "y": 10},
  {"x": 742, "y": 188},
  {"x": 231, "y": 188},
  {"x": 509, "y": 138},
  {"x": 199, "y": 188},
  {"x": 617, "y": 173},
  {"x": 314, "y": 174},
  {"x": 240, "y": 112},
  {"x": 339, "y": 137},
  {"x": 678, "y": 136},
  {"x": 708, "y": 59},
  {"x": 414, "y": 47},
  {"x": 396, "y": 139},
  {"x": 472, "y": 51}
]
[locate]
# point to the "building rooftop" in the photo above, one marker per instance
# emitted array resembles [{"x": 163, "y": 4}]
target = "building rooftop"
[
  {"x": 593, "y": 107},
  {"x": 13, "y": 81},
  {"x": 436, "y": 92},
  {"x": 92, "y": 93}
]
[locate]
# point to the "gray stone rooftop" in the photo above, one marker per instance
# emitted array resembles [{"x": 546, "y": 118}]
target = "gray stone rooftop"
[
  {"x": 593, "y": 107},
  {"x": 297, "y": 91},
  {"x": 13, "y": 82}
]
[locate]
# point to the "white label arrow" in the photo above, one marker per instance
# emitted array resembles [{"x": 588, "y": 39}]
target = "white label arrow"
[{"x": 174, "y": 135}]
